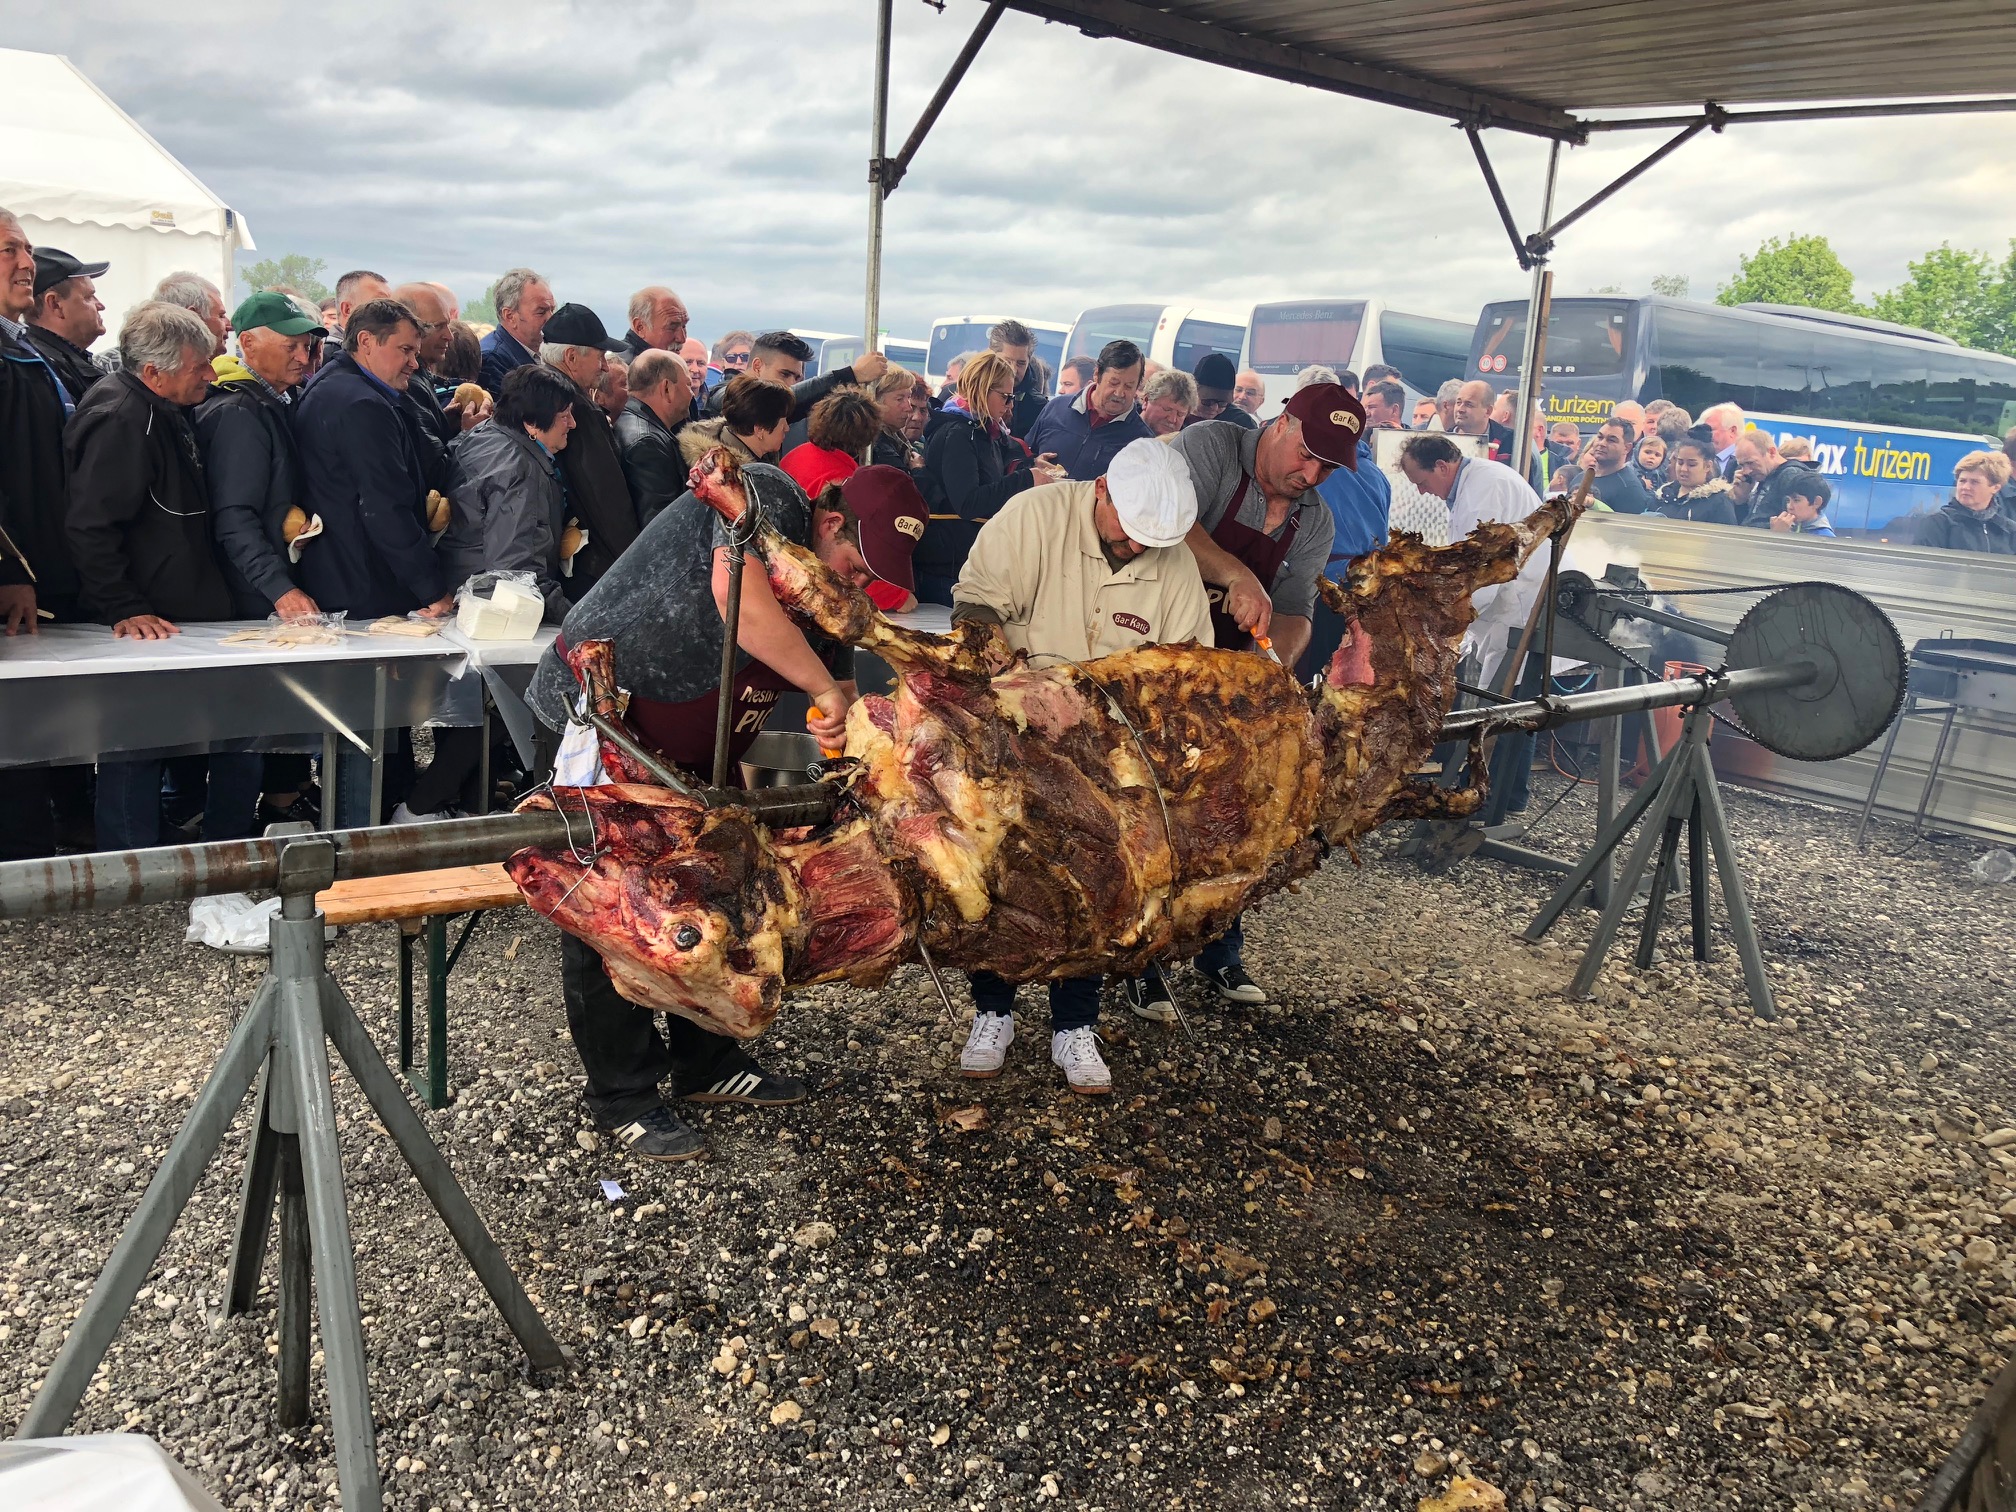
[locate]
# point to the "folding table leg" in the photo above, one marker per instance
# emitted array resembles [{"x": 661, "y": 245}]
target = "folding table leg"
[{"x": 434, "y": 1090}]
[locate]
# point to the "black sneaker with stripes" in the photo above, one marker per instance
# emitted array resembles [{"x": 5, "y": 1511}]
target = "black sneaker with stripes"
[
  {"x": 659, "y": 1135},
  {"x": 753, "y": 1085}
]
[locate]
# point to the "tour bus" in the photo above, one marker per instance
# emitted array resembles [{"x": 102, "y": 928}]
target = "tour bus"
[
  {"x": 1175, "y": 335},
  {"x": 1887, "y": 408},
  {"x": 1285, "y": 336},
  {"x": 831, "y": 351},
  {"x": 955, "y": 335}
]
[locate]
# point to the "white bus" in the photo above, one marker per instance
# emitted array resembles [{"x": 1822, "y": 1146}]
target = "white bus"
[
  {"x": 1285, "y": 336},
  {"x": 1175, "y": 335},
  {"x": 956, "y": 335},
  {"x": 831, "y": 351}
]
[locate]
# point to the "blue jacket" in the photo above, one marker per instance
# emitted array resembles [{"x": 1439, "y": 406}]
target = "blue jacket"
[
  {"x": 1361, "y": 503},
  {"x": 363, "y": 474},
  {"x": 1083, "y": 452},
  {"x": 501, "y": 353}
]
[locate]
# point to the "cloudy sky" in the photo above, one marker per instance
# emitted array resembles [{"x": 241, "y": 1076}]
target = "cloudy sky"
[{"x": 720, "y": 146}]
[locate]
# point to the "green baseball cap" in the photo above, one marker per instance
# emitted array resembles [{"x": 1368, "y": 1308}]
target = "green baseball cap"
[{"x": 275, "y": 312}]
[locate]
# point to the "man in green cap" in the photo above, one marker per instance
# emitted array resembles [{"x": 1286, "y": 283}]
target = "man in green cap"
[{"x": 248, "y": 453}]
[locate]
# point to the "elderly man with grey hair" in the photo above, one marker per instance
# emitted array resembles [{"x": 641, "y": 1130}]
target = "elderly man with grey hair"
[
  {"x": 658, "y": 321},
  {"x": 578, "y": 345},
  {"x": 1167, "y": 400},
  {"x": 140, "y": 532},
  {"x": 524, "y": 303},
  {"x": 195, "y": 293}
]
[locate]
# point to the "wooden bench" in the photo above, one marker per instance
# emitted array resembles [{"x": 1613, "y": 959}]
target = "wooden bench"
[{"x": 422, "y": 904}]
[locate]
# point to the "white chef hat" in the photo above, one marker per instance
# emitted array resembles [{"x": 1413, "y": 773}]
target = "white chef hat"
[{"x": 1151, "y": 490}]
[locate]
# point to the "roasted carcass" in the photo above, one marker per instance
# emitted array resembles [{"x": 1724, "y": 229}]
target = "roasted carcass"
[{"x": 1033, "y": 820}]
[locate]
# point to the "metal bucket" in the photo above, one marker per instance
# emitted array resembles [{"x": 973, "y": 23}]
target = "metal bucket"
[{"x": 778, "y": 758}]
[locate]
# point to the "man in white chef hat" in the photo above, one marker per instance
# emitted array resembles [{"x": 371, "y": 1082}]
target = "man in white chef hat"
[{"x": 1072, "y": 571}]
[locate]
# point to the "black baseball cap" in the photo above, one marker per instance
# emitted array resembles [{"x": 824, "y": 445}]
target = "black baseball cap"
[
  {"x": 1214, "y": 370},
  {"x": 53, "y": 265},
  {"x": 577, "y": 325}
]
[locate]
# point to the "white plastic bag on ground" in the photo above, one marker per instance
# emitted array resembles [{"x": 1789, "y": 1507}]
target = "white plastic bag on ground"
[
  {"x": 1996, "y": 866},
  {"x": 231, "y": 922},
  {"x": 97, "y": 1472}
]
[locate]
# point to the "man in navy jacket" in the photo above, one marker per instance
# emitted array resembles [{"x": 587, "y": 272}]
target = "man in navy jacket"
[
  {"x": 1086, "y": 430},
  {"x": 365, "y": 477}
]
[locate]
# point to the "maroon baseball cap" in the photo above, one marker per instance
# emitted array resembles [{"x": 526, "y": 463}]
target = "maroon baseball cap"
[
  {"x": 890, "y": 514},
  {"x": 1332, "y": 422}
]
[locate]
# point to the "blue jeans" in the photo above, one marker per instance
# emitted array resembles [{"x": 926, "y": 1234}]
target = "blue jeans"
[
  {"x": 129, "y": 800},
  {"x": 1228, "y": 949},
  {"x": 1074, "y": 1002}
]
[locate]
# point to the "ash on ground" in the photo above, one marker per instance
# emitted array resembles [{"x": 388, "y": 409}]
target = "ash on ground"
[{"x": 1424, "y": 1216}]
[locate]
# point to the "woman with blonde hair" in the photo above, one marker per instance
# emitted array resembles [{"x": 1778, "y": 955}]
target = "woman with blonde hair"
[
  {"x": 895, "y": 395},
  {"x": 1973, "y": 519},
  {"x": 975, "y": 466}
]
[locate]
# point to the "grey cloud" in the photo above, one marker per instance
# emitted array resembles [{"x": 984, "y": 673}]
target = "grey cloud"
[{"x": 721, "y": 148}]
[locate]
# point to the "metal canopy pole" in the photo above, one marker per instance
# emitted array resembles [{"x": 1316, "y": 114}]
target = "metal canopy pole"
[
  {"x": 1537, "y": 303},
  {"x": 878, "y": 143}
]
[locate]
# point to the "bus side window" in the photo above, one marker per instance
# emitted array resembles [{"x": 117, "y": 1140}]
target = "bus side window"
[{"x": 1704, "y": 361}]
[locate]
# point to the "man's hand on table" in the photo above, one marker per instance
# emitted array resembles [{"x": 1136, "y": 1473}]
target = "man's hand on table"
[
  {"x": 295, "y": 605},
  {"x": 17, "y": 607},
  {"x": 441, "y": 608},
  {"x": 143, "y": 627}
]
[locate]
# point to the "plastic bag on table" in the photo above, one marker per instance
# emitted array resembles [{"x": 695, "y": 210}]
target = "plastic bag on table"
[
  {"x": 499, "y": 606},
  {"x": 307, "y": 630},
  {"x": 416, "y": 625},
  {"x": 232, "y": 922}
]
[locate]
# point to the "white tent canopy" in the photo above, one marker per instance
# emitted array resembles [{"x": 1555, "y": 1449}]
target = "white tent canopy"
[{"x": 84, "y": 176}]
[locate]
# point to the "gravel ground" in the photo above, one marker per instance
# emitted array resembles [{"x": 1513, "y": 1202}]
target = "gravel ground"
[{"x": 1423, "y": 1216}]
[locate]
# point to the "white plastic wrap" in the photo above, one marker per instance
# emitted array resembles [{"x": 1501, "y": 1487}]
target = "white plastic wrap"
[
  {"x": 499, "y": 606},
  {"x": 97, "y": 1472}
]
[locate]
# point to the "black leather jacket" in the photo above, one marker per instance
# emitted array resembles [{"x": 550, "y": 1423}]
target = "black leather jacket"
[{"x": 651, "y": 461}]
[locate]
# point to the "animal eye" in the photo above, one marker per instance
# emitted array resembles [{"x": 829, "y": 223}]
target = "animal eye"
[{"x": 687, "y": 937}]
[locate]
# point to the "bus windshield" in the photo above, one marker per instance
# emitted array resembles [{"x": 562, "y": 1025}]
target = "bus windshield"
[
  {"x": 1287, "y": 338},
  {"x": 955, "y": 339},
  {"x": 1135, "y": 323},
  {"x": 1586, "y": 338}
]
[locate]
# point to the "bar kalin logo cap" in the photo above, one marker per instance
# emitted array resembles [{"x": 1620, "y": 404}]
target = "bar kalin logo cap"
[
  {"x": 889, "y": 516},
  {"x": 577, "y": 325},
  {"x": 1332, "y": 422},
  {"x": 273, "y": 312},
  {"x": 52, "y": 266}
]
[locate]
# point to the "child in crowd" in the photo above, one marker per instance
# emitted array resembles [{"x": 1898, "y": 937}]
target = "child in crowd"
[{"x": 1805, "y": 512}]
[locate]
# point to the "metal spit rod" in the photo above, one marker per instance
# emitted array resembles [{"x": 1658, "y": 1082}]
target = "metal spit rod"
[
  {"x": 105, "y": 880},
  {"x": 1606, "y": 703},
  {"x": 176, "y": 873}
]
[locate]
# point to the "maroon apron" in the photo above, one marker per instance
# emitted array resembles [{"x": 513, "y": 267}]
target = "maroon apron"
[
  {"x": 1256, "y": 550},
  {"x": 683, "y": 732}
]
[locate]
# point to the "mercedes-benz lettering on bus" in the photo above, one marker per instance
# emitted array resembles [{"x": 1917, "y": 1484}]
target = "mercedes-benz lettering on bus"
[
  {"x": 1285, "y": 336},
  {"x": 1888, "y": 407},
  {"x": 1175, "y": 335},
  {"x": 955, "y": 335}
]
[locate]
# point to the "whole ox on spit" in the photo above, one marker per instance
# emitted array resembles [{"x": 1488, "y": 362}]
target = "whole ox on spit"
[{"x": 1032, "y": 820}]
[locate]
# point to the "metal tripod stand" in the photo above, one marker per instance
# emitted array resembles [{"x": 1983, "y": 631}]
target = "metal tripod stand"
[
  {"x": 292, "y": 1160},
  {"x": 1679, "y": 796}
]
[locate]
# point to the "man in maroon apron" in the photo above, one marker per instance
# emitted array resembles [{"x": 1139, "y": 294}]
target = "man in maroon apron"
[
  {"x": 661, "y": 605},
  {"x": 1261, "y": 540}
]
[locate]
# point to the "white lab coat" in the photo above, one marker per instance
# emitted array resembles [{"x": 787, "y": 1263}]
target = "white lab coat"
[{"x": 1485, "y": 492}]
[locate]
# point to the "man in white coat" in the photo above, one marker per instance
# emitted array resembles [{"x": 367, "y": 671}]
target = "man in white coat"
[{"x": 1478, "y": 491}]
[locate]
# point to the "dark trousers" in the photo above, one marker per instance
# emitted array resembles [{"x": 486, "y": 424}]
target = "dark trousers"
[
  {"x": 451, "y": 776},
  {"x": 622, "y": 1049},
  {"x": 129, "y": 800},
  {"x": 933, "y": 589},
  {"x": 1512, "y": 753},
  {"x": 1074, "y": 1001},
  {"x": 27, "y": 821},
  {"x": 1229, "y": 949}
]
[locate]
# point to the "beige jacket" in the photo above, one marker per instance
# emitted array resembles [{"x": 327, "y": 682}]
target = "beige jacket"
[{"x": 1038, "y": 564}]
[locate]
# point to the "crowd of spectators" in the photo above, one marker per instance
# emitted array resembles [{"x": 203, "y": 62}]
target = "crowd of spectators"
[{"x": 371, "y": 453}]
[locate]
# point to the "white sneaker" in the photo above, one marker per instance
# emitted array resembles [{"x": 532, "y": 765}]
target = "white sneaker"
[
  {"x": 1076, "y": 1052},
  {"x": 404, "y": 815},
  {"x": 987, "y": 1045}
]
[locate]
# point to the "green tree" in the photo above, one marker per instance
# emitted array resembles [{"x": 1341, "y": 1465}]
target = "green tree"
[
  {"x": 1965, "y": 295},
  {"x": 1607, "y": 289},
  {"x": 1801, "y": 270},
  {"x": 293, "y": 270},
  {"x": 1672, "y": 285},
  {"x": 482, "y": 311}
]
